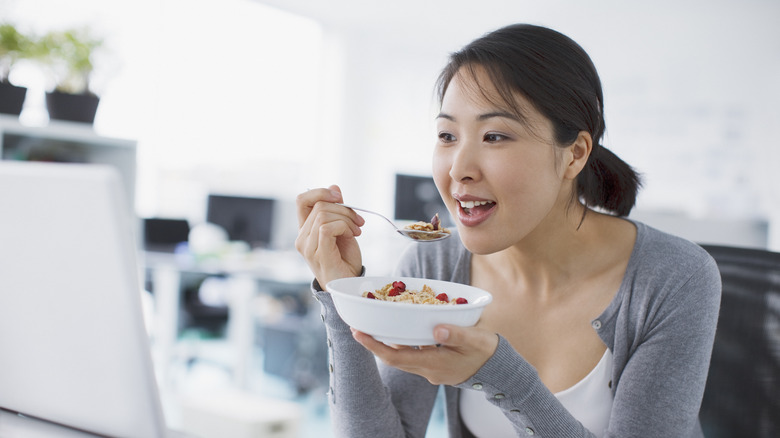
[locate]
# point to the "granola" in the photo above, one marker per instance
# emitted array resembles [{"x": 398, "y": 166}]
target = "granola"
[{"x": 397, "y": 292}]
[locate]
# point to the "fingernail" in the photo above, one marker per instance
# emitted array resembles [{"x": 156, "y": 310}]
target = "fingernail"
[{"x": 335, "y": 194}]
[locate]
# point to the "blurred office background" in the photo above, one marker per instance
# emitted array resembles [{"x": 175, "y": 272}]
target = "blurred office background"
[{"x": 262, "y": 99}]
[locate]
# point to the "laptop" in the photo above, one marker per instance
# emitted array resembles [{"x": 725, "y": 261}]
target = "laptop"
[{"x": 74, "y": 351}]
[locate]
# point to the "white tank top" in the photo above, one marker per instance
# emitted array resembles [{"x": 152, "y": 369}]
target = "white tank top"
[{"x": 589, "y": 401}]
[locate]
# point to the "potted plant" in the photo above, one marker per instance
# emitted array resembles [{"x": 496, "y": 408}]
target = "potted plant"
[
  {"x": 13, "y": 46},
  {"x": 69, "y": 54}
]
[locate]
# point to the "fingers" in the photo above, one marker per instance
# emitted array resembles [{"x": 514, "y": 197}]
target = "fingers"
[
  {"x": 321, "y": 221},
  {"x": 327, "y": 243},
  {"x": 306, "y": 200},
  {"x": 399, "y": 356},
  {"x": 332, "y": 220},
  {"x": 325, "y": 229},
  {"x": 326, "y": 235},
  {"x": 461, "y": 353}
]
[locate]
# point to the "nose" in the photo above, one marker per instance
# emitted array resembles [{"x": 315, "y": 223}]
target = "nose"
[{"x": 465, "y": 164}]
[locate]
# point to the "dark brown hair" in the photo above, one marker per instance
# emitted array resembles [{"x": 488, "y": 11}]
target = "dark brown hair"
[{"x": 558, "y": 77}]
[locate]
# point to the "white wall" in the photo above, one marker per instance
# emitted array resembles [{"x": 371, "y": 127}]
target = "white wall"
[
  {"x": 690, "y": 98},
  {"x": 690, "y": 87}
]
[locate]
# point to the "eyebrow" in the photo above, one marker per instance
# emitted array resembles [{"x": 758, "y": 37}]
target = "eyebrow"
[{"x": 483, "y": 117}]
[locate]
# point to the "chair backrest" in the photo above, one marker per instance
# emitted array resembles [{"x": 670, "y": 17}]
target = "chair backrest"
[{"x": 742, "y": 396}]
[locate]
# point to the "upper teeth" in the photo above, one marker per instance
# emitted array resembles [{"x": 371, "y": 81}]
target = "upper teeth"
[{"x": 472, "y": 204}]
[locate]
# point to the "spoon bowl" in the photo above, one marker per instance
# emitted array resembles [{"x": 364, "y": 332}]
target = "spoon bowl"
[
  {"x": 416, "y": 235},
  {"x": 422, "y": 235}
]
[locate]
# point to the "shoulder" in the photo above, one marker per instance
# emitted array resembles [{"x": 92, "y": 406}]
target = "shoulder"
[
  {"x": 657, "y": 251},
  {"x": 446, "y": 260},
  {"x": 664, "y": 266}
]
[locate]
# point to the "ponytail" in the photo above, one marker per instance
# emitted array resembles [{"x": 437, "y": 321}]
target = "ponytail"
[{"x": 608, "y": 182}]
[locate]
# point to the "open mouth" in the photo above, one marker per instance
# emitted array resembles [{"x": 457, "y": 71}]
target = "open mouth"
[
  {"x": 472, "y": 213},
  {"x": 469, "y": 207}
]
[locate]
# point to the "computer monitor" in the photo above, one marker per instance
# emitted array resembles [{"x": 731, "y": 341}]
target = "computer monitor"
[
  {"x": 75, "y": 349},
  {"x": 417, "y": 199},
  {"x": 164, "y": 234},
  {"x": 247, "y": 219}
]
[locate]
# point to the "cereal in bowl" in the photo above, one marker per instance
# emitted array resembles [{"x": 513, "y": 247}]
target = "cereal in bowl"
[{"x": 397, "y": 292}]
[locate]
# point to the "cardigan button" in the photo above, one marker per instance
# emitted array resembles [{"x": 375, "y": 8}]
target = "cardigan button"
[
  {"x": 529, "y": 431},
  {"x": 477, "y": 386},
  {"x": 596, "y": 324}
]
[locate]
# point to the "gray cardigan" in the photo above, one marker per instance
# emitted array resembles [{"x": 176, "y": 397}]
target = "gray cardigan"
[{"x": 660, "y": 327}]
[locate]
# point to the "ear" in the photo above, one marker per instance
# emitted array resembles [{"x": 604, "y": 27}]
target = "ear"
[{"x": 577, "y": 155}]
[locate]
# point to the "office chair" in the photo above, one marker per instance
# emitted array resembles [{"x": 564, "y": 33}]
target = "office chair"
[{"x": 742, "y": 396}]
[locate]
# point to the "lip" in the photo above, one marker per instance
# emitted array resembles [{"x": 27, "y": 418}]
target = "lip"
[
  {"x": 466, "y": 198},
  {"x": 474, "y": 218}
]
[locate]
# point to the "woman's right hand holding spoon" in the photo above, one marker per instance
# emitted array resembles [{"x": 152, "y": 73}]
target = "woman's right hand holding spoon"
[{"x": 326, "y": 235}]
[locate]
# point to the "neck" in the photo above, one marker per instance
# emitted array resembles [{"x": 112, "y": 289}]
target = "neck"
[{"x": 553, "y": 256}]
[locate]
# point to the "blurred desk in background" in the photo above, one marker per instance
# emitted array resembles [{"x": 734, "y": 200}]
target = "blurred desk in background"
[{"x": 247, "y": 286}]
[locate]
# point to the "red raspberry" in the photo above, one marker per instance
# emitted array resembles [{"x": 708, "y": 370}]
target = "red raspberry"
[
  {"x": 443, "y": 297},
  {"x": 370, "y": 295},
  {"x": 461, "y": 301},
  {"x": 399, "y": 285},
  {"x": 394, "y": 292}
]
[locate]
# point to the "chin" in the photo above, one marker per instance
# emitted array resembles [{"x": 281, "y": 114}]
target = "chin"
[{"x": 480, "y": 243}]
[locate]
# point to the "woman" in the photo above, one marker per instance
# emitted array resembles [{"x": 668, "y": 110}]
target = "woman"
[{"x": 599, "y": 326}]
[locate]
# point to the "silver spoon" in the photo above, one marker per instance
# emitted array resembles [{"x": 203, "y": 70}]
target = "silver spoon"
[{"x": 417, "y": 235}]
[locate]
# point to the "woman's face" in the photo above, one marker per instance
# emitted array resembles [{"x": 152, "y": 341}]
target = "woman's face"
[{"x": 499, "y": 176}]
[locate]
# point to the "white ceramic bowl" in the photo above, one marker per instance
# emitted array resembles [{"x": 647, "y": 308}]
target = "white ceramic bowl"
[{"x": 404, "y": 323}]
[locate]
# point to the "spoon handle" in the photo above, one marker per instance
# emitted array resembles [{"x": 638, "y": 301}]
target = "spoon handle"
[{"x": 371, "y": 212}]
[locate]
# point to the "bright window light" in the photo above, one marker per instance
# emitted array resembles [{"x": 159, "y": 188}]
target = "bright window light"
[{"x": 208, "y": 88}]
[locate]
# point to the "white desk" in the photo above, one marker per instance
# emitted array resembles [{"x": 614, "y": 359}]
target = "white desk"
[{"x": 13, "y": 425}]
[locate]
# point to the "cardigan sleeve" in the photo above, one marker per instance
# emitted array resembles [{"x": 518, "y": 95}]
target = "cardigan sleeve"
[
  {"x": 367, "y": 398},
  {"x": 661, "y": 386},
  {"x": 522, "y": 397}
]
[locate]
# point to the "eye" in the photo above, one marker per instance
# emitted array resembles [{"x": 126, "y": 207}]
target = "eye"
[
  {"x": 492, "y": 137},
  {"x": 446, "y": 137}
]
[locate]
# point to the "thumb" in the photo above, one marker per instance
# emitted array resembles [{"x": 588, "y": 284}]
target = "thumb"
[
  {"x": 336, "y": 192},
  {"x": 458, "y": 337},
  {"x": 446, "y": 334}
]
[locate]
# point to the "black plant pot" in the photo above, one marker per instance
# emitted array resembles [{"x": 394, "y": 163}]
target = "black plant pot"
[
  {"x": 11, "y": 98},
  {"x": 72, "y": 107}
]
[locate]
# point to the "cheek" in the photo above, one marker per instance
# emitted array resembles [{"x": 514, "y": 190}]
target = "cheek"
[
  {"x": 441, "y": 165},
  {"x": 441, "y": 175},
  {"x": 524, "y": 185}
]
